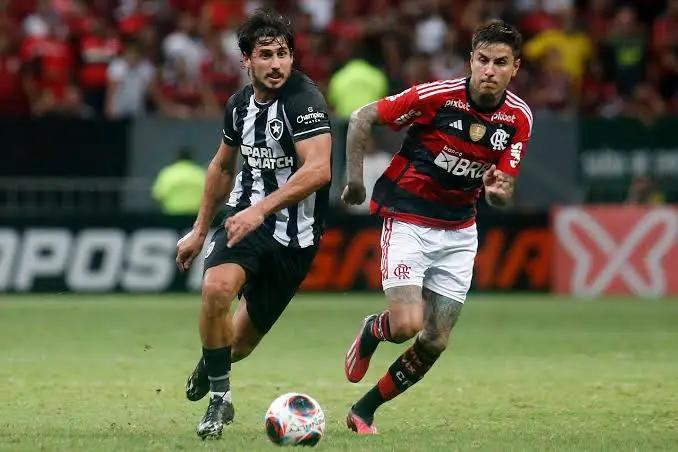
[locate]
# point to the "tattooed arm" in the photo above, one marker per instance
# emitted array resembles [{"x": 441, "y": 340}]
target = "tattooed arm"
[{"x": 359, "y": 133}]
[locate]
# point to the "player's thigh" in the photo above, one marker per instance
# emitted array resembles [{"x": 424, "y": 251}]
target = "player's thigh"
[
  {"x": 269, "y": 295},
  {"x": 226, "y": 270},
  {"x": 451, "y": 273},
  {"x": 403, "y": 258}
]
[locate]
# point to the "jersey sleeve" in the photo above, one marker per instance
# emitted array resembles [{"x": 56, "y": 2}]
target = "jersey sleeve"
[
  {"x": 229, "y": 135},
  {"x": 405, "y": 108},
  {"x": 307, "y": 114},
  {"x": 512, "y": 157}
]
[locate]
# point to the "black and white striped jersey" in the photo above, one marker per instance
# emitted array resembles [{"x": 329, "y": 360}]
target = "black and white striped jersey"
[{"x": 266, "y": 135}]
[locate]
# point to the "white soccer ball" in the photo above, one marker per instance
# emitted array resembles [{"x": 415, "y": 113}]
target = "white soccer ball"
[{"x": 295, "y": 419}]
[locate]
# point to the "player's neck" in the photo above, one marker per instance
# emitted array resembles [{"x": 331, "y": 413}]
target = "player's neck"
[
  {"x": 262, "y": 94},
  {"x": 487, "y": 102},
  {"x": 263, "y": 97}
]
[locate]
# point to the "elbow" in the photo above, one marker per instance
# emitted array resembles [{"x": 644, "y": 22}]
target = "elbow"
[
  {"x": 320, "y": 176},
  {"x": 324, "y": 176}
]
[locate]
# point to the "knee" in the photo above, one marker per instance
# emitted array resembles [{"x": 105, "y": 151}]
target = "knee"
[
  {"x": 217, "y": 295},
  {"x": 405, "y": 326},
  {"x": 240, "y": 350},
  {"x": 434, "y": 343}
]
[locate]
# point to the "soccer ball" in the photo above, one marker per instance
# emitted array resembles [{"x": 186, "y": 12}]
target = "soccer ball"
[{"x": 295, "y": 419}]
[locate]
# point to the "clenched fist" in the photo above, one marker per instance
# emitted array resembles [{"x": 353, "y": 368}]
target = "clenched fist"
[
  {"x": 354, "y": 193},
  {"x": 188, "y": 248}
]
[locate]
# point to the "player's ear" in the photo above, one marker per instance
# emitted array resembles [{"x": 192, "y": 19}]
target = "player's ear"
[
  {"x": 247, "y": 61},
  {"x": 516, "y": 66}
]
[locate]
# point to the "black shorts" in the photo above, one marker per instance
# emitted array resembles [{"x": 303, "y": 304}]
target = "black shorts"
[{"x": 274, "y": 272}]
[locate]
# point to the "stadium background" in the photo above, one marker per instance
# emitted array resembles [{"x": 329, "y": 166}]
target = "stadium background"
[{"x": 595, "y": 216}]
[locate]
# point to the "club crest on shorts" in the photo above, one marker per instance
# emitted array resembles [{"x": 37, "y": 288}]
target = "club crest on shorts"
[
  {"x": 275, "y": 128},
  {"x": 477, "y": 131}
]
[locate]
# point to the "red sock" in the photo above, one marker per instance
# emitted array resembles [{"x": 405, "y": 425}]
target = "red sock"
[
  {"x": 381, "y": 327},
  {"x": 408, "y": 369}
]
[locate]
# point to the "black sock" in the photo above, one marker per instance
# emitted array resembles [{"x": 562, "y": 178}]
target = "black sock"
[
  {"x": 369, "y": 403},
  {"x": 406, "y": 371},
  {"x": 218, "y": 365}
]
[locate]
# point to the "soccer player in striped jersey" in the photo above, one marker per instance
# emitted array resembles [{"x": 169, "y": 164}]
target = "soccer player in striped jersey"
[
  {"x": 465, "y": 136},
  {"x": 276, "y": 209}
]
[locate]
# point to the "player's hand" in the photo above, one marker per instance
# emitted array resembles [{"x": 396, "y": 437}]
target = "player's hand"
[
  {"x": 497, "y": 184},
  {"x": 188, "y": 248},
  {"x": 242, "y": 223},
  {"x": 491, "y": 175},
  {"x": 354, "y": 193}
]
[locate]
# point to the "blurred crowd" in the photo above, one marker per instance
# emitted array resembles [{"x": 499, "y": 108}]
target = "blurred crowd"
[{"x": 179, "y": 58}]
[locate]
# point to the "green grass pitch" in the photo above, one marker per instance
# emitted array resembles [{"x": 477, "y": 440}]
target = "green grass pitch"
[{"x": 522, "y": 373}]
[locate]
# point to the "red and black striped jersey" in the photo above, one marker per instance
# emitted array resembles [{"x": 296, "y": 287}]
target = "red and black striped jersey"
[{"x": 435, "y": 178}]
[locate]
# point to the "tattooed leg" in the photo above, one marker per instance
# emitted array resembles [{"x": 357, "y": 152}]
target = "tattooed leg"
[{"x": 441, "y": 314}]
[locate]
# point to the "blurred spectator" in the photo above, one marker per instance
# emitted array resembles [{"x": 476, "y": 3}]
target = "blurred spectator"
[
  {"x": 598, "y": 94},
  {"x": 130, "y": 83},
  {"x": 586, "y": 56},
  {"x": 182, "y": 94},
  {"x": 321, "y": 11},
  {"x": 537, "y": 20},
  {"x": 418, "y": 70},
  {"x": 38, "y": 23},
  {"x": 359, "y": 82},
  {"x": 49, "y": 76},
  {"x": 572, "y": 44},
  {"x": 134, "y": 15},
  {"x": 178, "y": 187},
  {"x": 644, "y": 104},
  {"x": 624, "y": 51},
  {"x": 597, "y": 17},
  {"x": 449, "y": 63},
  {"x": 13, "y": 101},
  {"x": 184, "y": 44},
  {"x": 219, "y": 77},
  {"x": 430, "y": 29},
  {"x": 552, "y": 87},
  {"x": 643, "y": 191},
  {"x": 98, "y": 47},
  {"x": 219, "y": 14}
]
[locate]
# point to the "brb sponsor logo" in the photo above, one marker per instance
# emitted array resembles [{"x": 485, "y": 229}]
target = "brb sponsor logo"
[
  {"x": 263, "y": 158},
  {"x": 452, "y": 161},
  {"x": 91, "y": 260},
  {"x": 625, "y": 250}
]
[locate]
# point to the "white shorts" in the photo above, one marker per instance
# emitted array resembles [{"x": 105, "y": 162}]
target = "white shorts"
[{"x": 440, "y": 260}]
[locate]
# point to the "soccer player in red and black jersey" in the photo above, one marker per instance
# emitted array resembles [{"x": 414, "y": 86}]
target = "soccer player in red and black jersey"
[{"x": 465, "y": 136}]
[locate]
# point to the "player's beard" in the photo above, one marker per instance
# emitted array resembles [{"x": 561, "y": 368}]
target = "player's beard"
[
  {"x": 486, "y": 99},
  {"x": 267, "y": 91}
]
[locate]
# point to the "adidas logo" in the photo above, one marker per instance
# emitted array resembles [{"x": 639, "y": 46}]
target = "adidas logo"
[{"x": 456, "y": 125}]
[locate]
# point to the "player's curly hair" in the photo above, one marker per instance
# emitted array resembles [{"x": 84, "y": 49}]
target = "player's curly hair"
[
  {"x": 265, "y": 25},
  {"x": 498, "y": 32}
]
